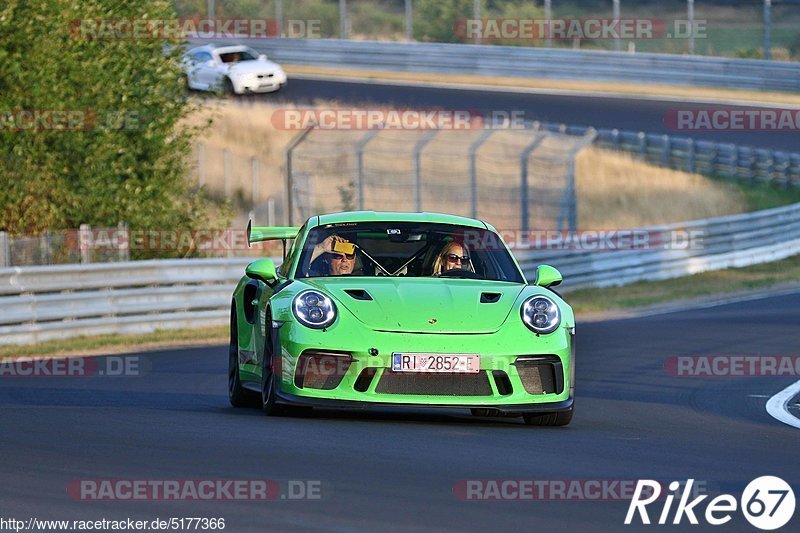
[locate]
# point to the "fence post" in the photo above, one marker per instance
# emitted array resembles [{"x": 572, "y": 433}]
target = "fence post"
[
  {"x": 44, "y": 247},
  {"x": 226, "y": 171},
  {"x": 5, "y": 250},
  {"x": 418, "y": 147},
  {"x": 690, "y": 17},
  {"x": 201, "y": 165},
  {"x": 342, "y": 19},
  {"x": 409, "y": 21},
  {"x": 524, "y": 155},
  {"x": 665, "y": 157},
  {"x": 548, "y": 14},
  {"x": 288, "y": 168},
  {"x": 254, "y": 187},
  {"x": 85, "y": 240},
  {"x": 360, "y": 145},
  {"x": 279, "y": 17},
  {"x": 473, "y": 170},
  {"x": 123, "y": 241},
  {"x": 615, "y": 16}
]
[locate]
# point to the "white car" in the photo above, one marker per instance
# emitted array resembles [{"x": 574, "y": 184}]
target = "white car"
[{"x": 233, "y": 69}]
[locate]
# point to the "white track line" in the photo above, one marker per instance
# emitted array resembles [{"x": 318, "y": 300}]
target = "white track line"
[{"x": 777, "y": 406}]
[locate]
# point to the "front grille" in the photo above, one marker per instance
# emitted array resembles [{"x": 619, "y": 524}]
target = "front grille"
[
  {"x": 321, "y": 370},
  {"x": 445, "y": 384}
]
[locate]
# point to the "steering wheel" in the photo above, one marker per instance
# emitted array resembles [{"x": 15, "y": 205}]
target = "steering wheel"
[{"x": 459, "y": 273}]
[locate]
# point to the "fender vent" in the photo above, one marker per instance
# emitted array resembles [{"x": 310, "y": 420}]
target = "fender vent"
[
  {"x": 358, "y": 294},
  {"x": 490, "y": 297}
]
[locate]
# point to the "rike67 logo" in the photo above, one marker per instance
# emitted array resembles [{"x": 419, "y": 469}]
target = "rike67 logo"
[{"x": 767, "y": 503}]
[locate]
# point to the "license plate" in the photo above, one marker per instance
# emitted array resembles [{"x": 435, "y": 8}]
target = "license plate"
[{"x": 434, "y": 362}]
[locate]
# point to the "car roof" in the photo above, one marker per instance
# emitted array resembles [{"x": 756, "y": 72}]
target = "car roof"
[
  {"x": 211, "y": 47},
  {"x": 389, "y": 216}
]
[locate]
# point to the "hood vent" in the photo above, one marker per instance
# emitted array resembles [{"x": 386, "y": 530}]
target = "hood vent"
[
  {"x": 490, "y": 297},
  {"x": 358, "y": 294}
]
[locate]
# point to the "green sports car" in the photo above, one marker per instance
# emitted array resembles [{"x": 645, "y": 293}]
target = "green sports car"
[{"x": 403, "y": 309}]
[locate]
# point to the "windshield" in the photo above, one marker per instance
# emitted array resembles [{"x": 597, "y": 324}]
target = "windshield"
[
  {"x": 240, "y": 55},
  {"x": 406, "y": 249}
]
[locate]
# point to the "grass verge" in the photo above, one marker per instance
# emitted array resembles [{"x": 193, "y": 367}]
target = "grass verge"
[
  {"x": 719, "y": 283},
  {"x": 110, "y": 344}
]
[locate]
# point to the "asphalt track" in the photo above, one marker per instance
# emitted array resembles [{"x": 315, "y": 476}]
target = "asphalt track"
[
  {"x": 624, "y": 113},
  {"x": 388, "y": 470}
]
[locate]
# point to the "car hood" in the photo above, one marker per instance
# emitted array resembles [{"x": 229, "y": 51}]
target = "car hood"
[
  {"x": 423, "y": 305},
  {"x": 253, "y": 67}
]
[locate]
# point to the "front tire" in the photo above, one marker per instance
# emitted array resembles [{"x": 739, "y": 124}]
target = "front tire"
[
  {"x": 237, "y": 395},
  {"x": 549, "y": 419},
  {"x": 227, "y": 88}
]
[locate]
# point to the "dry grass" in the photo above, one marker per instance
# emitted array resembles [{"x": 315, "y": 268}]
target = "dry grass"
[{"x": 614, "y": 189}]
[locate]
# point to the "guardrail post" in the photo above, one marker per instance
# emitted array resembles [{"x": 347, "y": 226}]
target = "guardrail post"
[
  {"x": 691, "y": 156},
  {"x": 288, "y": 168},
  {"x": 418, "y": 147},
  {"x": 473, "y": 170},
  {"x": 615, "y": 139},
  {"x": 643, "y": 145},
  {"x": 524, "y": 156},
  {"x": 665, "y": 158},
  {"x": 5, "y": 250},
  {"x": 85, "y": 240},
  {"x": 360, "y": 146}
]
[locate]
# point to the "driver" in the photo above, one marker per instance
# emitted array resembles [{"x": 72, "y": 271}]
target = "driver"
[
  {"x": 453, "y": 255},
  {"x": 337, "y": 263}
]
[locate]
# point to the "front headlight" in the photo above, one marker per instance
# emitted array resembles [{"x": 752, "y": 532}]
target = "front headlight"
[
  {"x": 541, "y": 314},
  {"x": 314, "y": 309}
]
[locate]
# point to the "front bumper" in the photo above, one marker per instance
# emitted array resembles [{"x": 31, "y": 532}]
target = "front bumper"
[
  {"x": 505, "y": 382},
  {"x": 308, "y": 401}
]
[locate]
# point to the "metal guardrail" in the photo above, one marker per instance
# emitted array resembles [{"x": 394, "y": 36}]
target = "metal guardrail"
[
  {"x": 722, "y": 242},
  {"x": 514, "y": 61},
  {"x": 51, "y": 302},
  {"x": 745, "y": 163},
  {"x": 43, "y": 303}
]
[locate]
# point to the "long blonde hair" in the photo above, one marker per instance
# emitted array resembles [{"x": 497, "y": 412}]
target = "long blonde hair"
[{"x": 441, "y": 259}]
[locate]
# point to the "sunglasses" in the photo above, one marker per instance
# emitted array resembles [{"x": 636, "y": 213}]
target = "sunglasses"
[
  {"x": 341, "y": 257},
  {"x": 453, "y": 258}
]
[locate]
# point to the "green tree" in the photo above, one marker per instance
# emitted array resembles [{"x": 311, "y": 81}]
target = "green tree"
[{"x": 127, "y": 160}]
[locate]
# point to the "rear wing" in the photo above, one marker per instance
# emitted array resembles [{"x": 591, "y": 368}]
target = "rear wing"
[{"x": 270, "y": 233}]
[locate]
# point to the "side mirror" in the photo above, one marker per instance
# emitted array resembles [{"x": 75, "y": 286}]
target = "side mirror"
[
  {"x": 263, "y": 269},
  {"x": 547, "y": 276},
  {"x": 262, "y": 57}
]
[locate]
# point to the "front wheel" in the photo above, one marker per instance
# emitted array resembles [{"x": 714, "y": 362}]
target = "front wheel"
[
  {"x": 549, "y": 419},
  {"x": 237, "y": 395}
]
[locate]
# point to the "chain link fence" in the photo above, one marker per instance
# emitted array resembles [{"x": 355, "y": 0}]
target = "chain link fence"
[{"x": 512, "y": 178}]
